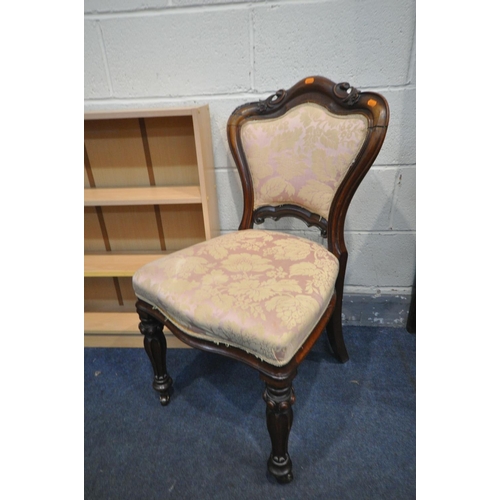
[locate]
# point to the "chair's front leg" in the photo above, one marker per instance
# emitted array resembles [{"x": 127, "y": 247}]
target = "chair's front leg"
[
  {"x": 156, "y": 348},
  {"x": 279, "y": 416}
]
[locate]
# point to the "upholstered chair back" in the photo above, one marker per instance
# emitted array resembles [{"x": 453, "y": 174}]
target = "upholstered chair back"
[{"x": 301, "y": 157}]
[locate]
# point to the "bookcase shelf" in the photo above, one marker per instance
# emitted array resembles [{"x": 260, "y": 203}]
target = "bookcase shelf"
[
  {"x": 112, "y": 264},
  {"x": 142, "y": 196},
  {"x": 149, "y": 191}
]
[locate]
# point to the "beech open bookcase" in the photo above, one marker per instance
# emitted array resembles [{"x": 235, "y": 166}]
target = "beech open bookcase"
[{"x": 149, "y": 191}]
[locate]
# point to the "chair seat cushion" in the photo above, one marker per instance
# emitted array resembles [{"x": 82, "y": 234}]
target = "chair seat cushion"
[{"x": 260, "y": 291}]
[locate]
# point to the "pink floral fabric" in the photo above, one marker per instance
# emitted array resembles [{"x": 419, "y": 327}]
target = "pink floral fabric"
[
  {"x": 261, "y": 291},
  {"x": 302, "y": 156}
]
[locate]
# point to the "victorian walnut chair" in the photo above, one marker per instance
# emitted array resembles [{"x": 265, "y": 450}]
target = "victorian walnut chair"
[{"x": 264, "y": 297}]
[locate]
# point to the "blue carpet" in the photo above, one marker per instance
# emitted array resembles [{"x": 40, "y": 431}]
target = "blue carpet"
[{"x": 353, "y": 435}]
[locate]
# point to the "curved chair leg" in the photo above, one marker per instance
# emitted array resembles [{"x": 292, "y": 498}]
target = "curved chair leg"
[
  {"x": 334, "y": 326},
  {"x": 279, "y": 415},
  {"x": 156, "y": 348}
]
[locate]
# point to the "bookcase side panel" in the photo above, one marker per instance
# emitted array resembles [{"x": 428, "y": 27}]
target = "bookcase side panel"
[{"x": 203, "y": 140}]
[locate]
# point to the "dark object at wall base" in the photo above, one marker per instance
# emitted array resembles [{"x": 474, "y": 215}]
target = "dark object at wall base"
[{"x": 411, "y": 323}]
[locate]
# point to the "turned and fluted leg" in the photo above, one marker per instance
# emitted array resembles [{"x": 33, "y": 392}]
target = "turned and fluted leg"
[
  {"x": 334, "y": 326},
  {"x": 279, "y": 415},
  {"x": 156, "y": 348}
]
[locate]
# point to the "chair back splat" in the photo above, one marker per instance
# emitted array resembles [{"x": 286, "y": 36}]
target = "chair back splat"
[{"x": 264, "y": 297}]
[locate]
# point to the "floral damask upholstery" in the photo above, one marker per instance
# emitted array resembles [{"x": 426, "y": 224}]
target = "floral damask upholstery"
[
  {"x": 261, "y": 291},
  {"x": 301, "y": 157}
]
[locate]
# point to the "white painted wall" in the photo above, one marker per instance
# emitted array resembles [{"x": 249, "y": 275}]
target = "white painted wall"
[{"x": 154, "y": 53}]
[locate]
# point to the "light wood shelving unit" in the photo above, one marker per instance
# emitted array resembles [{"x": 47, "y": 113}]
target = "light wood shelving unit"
[{"x": 149, "y": 191}]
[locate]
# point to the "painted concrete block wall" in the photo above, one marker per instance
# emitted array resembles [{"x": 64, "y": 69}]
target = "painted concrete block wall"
[{"x": 160, "y": 53}]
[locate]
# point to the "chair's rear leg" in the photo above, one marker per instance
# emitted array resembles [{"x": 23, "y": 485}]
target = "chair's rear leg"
[
  {"x": 334, "y": 326},
  {"x": 156, "y": 348},
  {"x": 279, "y": 415}
]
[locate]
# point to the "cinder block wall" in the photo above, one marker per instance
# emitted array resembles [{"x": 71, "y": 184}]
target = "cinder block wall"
[{"x": 157, "y": 53}]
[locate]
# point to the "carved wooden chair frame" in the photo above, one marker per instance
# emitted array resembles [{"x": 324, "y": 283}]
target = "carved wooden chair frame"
[{"x": 341, "y": 99}]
